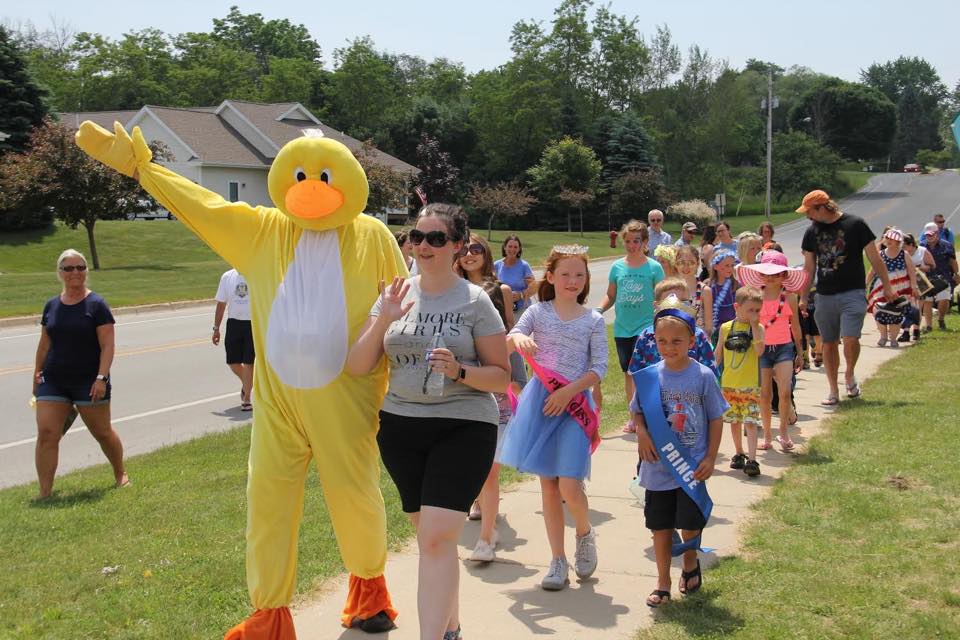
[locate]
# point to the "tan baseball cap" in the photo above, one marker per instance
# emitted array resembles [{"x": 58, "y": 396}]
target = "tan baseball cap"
[{"x": 812, "y": 199}]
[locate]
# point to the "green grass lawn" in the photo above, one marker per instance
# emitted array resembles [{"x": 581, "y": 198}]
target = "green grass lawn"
[
  {"x": 175, "y": 539},
  {"x": 141, "y": 262},
  {"x": 144, "y": 262},
  {"x": 859, "y": 539}
]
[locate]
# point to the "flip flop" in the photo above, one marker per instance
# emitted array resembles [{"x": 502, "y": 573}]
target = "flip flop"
[
  {"x": 663, "y": 597},
  {"x": 629, "y": 428},
  {"x": 830, "y": 401},
  {"x": 246, "y": 406},
  {"x": 853, "y": 390},
  {"x": 785, "y": 443},
  {"x": 689, "y": 575},
  {"x": 765, "y": 446}
]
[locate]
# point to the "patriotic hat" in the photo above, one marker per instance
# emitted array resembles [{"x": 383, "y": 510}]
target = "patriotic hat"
[
  {"x": 772, "y": 263},
  {"x": 894, "y": 234}
]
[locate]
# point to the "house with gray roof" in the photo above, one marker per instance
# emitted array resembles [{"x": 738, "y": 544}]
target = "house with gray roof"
[{"x": 228, "y": 148}]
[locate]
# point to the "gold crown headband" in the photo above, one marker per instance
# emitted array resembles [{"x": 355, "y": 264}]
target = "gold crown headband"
[{"x": 571, "y": 249}]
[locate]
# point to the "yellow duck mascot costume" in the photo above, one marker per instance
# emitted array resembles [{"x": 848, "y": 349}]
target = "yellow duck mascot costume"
[{"x": 313, "y": 264}]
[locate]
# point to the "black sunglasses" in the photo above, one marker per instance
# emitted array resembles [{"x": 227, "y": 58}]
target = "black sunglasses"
[
  {"x": 70, "y": 268},
  {"x": 476, "y": 249},
  {"x": 433, "y": 238}
]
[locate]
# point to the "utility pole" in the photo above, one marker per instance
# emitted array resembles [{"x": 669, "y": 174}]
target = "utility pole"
[{"x": 769, "y": 139}]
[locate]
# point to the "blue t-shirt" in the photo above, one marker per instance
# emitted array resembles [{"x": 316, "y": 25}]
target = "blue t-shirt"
[
  {"x": 74, "y": 353},
  {"x": 634, "y": 303},
  {"x": 691, "y": 399},
  {"x": 727, "y": 246},
  {"x": 514, "y": 277}
]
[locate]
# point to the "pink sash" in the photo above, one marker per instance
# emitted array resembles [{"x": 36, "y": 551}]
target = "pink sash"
[{"x": 579, "y": 408}]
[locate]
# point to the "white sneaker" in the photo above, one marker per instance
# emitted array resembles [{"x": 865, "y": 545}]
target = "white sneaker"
[
  {"x": 585, "y": 559},
  {"x": 557, "y": 576},
  {"x": 474, "y": 511},
  {"x": 483, "y": 551}
]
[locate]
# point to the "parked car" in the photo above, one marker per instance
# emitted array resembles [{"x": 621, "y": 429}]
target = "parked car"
[
  {"x": 911, "y": 168},
  {"x": 151, "y": 214}
]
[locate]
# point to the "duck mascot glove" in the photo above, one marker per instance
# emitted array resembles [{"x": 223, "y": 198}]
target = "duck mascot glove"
[{"x": 313, "y": 263}]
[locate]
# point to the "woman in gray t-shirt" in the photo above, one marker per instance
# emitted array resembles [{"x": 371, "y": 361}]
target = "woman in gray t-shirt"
[{"x": 438, "y": 449}]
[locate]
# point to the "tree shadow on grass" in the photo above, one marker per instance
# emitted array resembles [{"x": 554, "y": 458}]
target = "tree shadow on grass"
[
  {"x": 148, "y": 266},
  {"x": 699, "y": 614},
  {"x": 61, "y": 500},
  {"x": 21, "y": 238}
]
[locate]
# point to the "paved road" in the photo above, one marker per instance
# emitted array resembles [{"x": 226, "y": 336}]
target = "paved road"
[{"x": 171, "y": 384}]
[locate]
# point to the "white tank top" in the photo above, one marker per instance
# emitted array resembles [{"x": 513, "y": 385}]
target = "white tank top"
[{"x": 917, "y": 256}]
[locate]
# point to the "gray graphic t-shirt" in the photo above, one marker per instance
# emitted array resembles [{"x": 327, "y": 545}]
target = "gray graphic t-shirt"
[{"x": 460, "y": 314}]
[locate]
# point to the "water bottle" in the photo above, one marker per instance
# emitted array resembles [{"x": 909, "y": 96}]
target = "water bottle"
[{"x": 434, "y": 380}]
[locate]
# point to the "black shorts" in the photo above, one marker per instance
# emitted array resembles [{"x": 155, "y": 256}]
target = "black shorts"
[
  {"x": 808, "y": 323},
  {"x": 70, "y": 391},
  {"x": 239, "y": 342},
  {"x": 625, "y": 351},
  {"x": 436, "y": 462},
  {"x": 672, "y": 509}
]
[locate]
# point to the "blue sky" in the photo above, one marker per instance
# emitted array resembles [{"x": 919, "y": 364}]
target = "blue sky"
[{"x": 839, "y": 37}]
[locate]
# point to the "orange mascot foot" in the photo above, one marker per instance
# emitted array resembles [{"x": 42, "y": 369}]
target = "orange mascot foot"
[
  {"x": 368, "y": 605},
  {"x": 265, "y": 624}
]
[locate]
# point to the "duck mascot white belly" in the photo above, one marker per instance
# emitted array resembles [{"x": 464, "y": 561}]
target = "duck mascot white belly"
[{"x": 313, "y": 264}]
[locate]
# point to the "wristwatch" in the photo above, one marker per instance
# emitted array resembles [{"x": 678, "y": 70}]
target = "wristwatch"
[
  {"x": 463, "y": 374},
  {"x": 105, "y": 378},
  {"x": 216, "y": 328}
]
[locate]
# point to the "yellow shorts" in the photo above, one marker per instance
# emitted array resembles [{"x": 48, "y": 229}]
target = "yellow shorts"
[{"x": 744, "y": 405}]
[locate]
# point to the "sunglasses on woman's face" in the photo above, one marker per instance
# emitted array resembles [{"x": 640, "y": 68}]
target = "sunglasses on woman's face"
[
  {"x": 71, "y": 268},
  {"x": 434, "y": 238},
  {"x": 476, "y": 249}
]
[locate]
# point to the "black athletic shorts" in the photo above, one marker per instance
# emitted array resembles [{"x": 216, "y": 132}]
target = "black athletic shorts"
[
  {"x": 625, "y": 351},
  {"x": 672, "y": 509},
  {"x": 239, "y": 342},
  {"x": 436, "y": 462}
]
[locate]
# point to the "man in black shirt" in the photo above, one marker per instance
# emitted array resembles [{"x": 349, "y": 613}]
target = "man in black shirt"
[{"x": 833, "y": 248}]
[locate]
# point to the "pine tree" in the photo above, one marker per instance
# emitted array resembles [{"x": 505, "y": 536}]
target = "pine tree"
[{"x": 21, "y": 100}]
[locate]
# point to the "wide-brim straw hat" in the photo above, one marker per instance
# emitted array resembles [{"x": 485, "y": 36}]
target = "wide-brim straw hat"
[{"x": 772, "y": 263}]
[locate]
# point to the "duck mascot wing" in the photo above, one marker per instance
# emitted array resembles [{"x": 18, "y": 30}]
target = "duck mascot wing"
[{"x": 313, "y": 264}]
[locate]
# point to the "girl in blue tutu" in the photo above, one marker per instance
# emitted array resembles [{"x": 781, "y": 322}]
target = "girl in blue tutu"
[{"x": 554, "y": 429}]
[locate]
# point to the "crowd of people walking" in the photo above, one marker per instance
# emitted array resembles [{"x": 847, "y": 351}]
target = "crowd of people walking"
[{"x": 490, "y": 367}]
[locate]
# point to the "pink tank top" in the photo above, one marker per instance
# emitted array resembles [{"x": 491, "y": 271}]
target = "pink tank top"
[{"x": 779, "y": 331}]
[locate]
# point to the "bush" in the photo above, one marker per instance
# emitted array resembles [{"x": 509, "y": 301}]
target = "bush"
[
  {"x": 636, "y": 192},
  {"x": 696, "y": 211}
]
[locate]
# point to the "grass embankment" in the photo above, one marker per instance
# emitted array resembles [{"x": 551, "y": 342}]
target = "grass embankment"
[
  {"x": 144, "y": 262},
  {"x": 163, "y": 558},
  {"x": 860, "y": 539}
]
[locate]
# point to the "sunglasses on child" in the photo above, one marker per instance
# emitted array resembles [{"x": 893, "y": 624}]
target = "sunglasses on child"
[
  {"x": 71, "y": 268},
  {"x": 475, "y": 249},
  {"x": 434, "y": 238}
]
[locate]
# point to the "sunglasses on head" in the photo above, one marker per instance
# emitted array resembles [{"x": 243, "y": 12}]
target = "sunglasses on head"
[
  {"x": 71, "y": 268},
  {"x": 433, "y": 238},
  {"x": 476, "y": 249}
]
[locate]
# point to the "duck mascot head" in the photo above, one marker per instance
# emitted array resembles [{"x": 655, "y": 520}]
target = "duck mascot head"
[{"x": 313, "y": 264}]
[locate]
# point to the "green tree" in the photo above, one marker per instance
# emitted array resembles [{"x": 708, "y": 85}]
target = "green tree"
[
  {"x": 266, "y": 39},
  {"x": 665, "y": 59},
  {"x": 857, "y": 121},
  {"x": 54, "y": 174},
  {"x": 208, "y": 71},
  {"x": 636, "y": 192},
  {"x": 622, "y": 145},
  {"x": 389, "y": 189},
  {"x": 366, "y": 91},
  {"x": 565, "y": 165},
  {"x": 800, "y": 164},
  {"x": 503, "y": 199},
  {"x": 919, "y": 93},
  {"x": 290, "y": 80},
  {"x": 22, "y": 103}
]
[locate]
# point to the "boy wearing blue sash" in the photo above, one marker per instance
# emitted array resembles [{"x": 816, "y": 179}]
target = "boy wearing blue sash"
[{"x": 678, "y": 409}]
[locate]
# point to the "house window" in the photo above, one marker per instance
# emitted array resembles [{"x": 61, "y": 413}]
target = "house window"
[{"x": 234, "y": 191}]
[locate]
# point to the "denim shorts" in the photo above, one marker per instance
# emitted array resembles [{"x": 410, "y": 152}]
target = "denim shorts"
[
  {"x": 776, "y": 354},
  {"x": 72, "y": 392}
]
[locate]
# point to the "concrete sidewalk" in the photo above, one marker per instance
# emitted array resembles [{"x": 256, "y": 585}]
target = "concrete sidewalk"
[{"x": 504, "y": 599}]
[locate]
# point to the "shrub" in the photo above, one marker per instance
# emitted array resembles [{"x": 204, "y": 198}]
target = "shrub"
[{"x": 696, "y": 211}]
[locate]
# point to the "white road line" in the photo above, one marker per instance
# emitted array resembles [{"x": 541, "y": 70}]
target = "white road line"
[
  {"x": 136, "y": 416},
  {"x": 957, "y": 208},
  {"x": 119, "y": 324}
]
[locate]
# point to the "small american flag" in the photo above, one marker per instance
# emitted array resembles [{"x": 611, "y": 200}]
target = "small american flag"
[{"x": 420, "y": 194}]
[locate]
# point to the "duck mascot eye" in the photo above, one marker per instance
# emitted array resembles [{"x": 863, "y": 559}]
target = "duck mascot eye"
[{"x": 313, "y": 264}]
